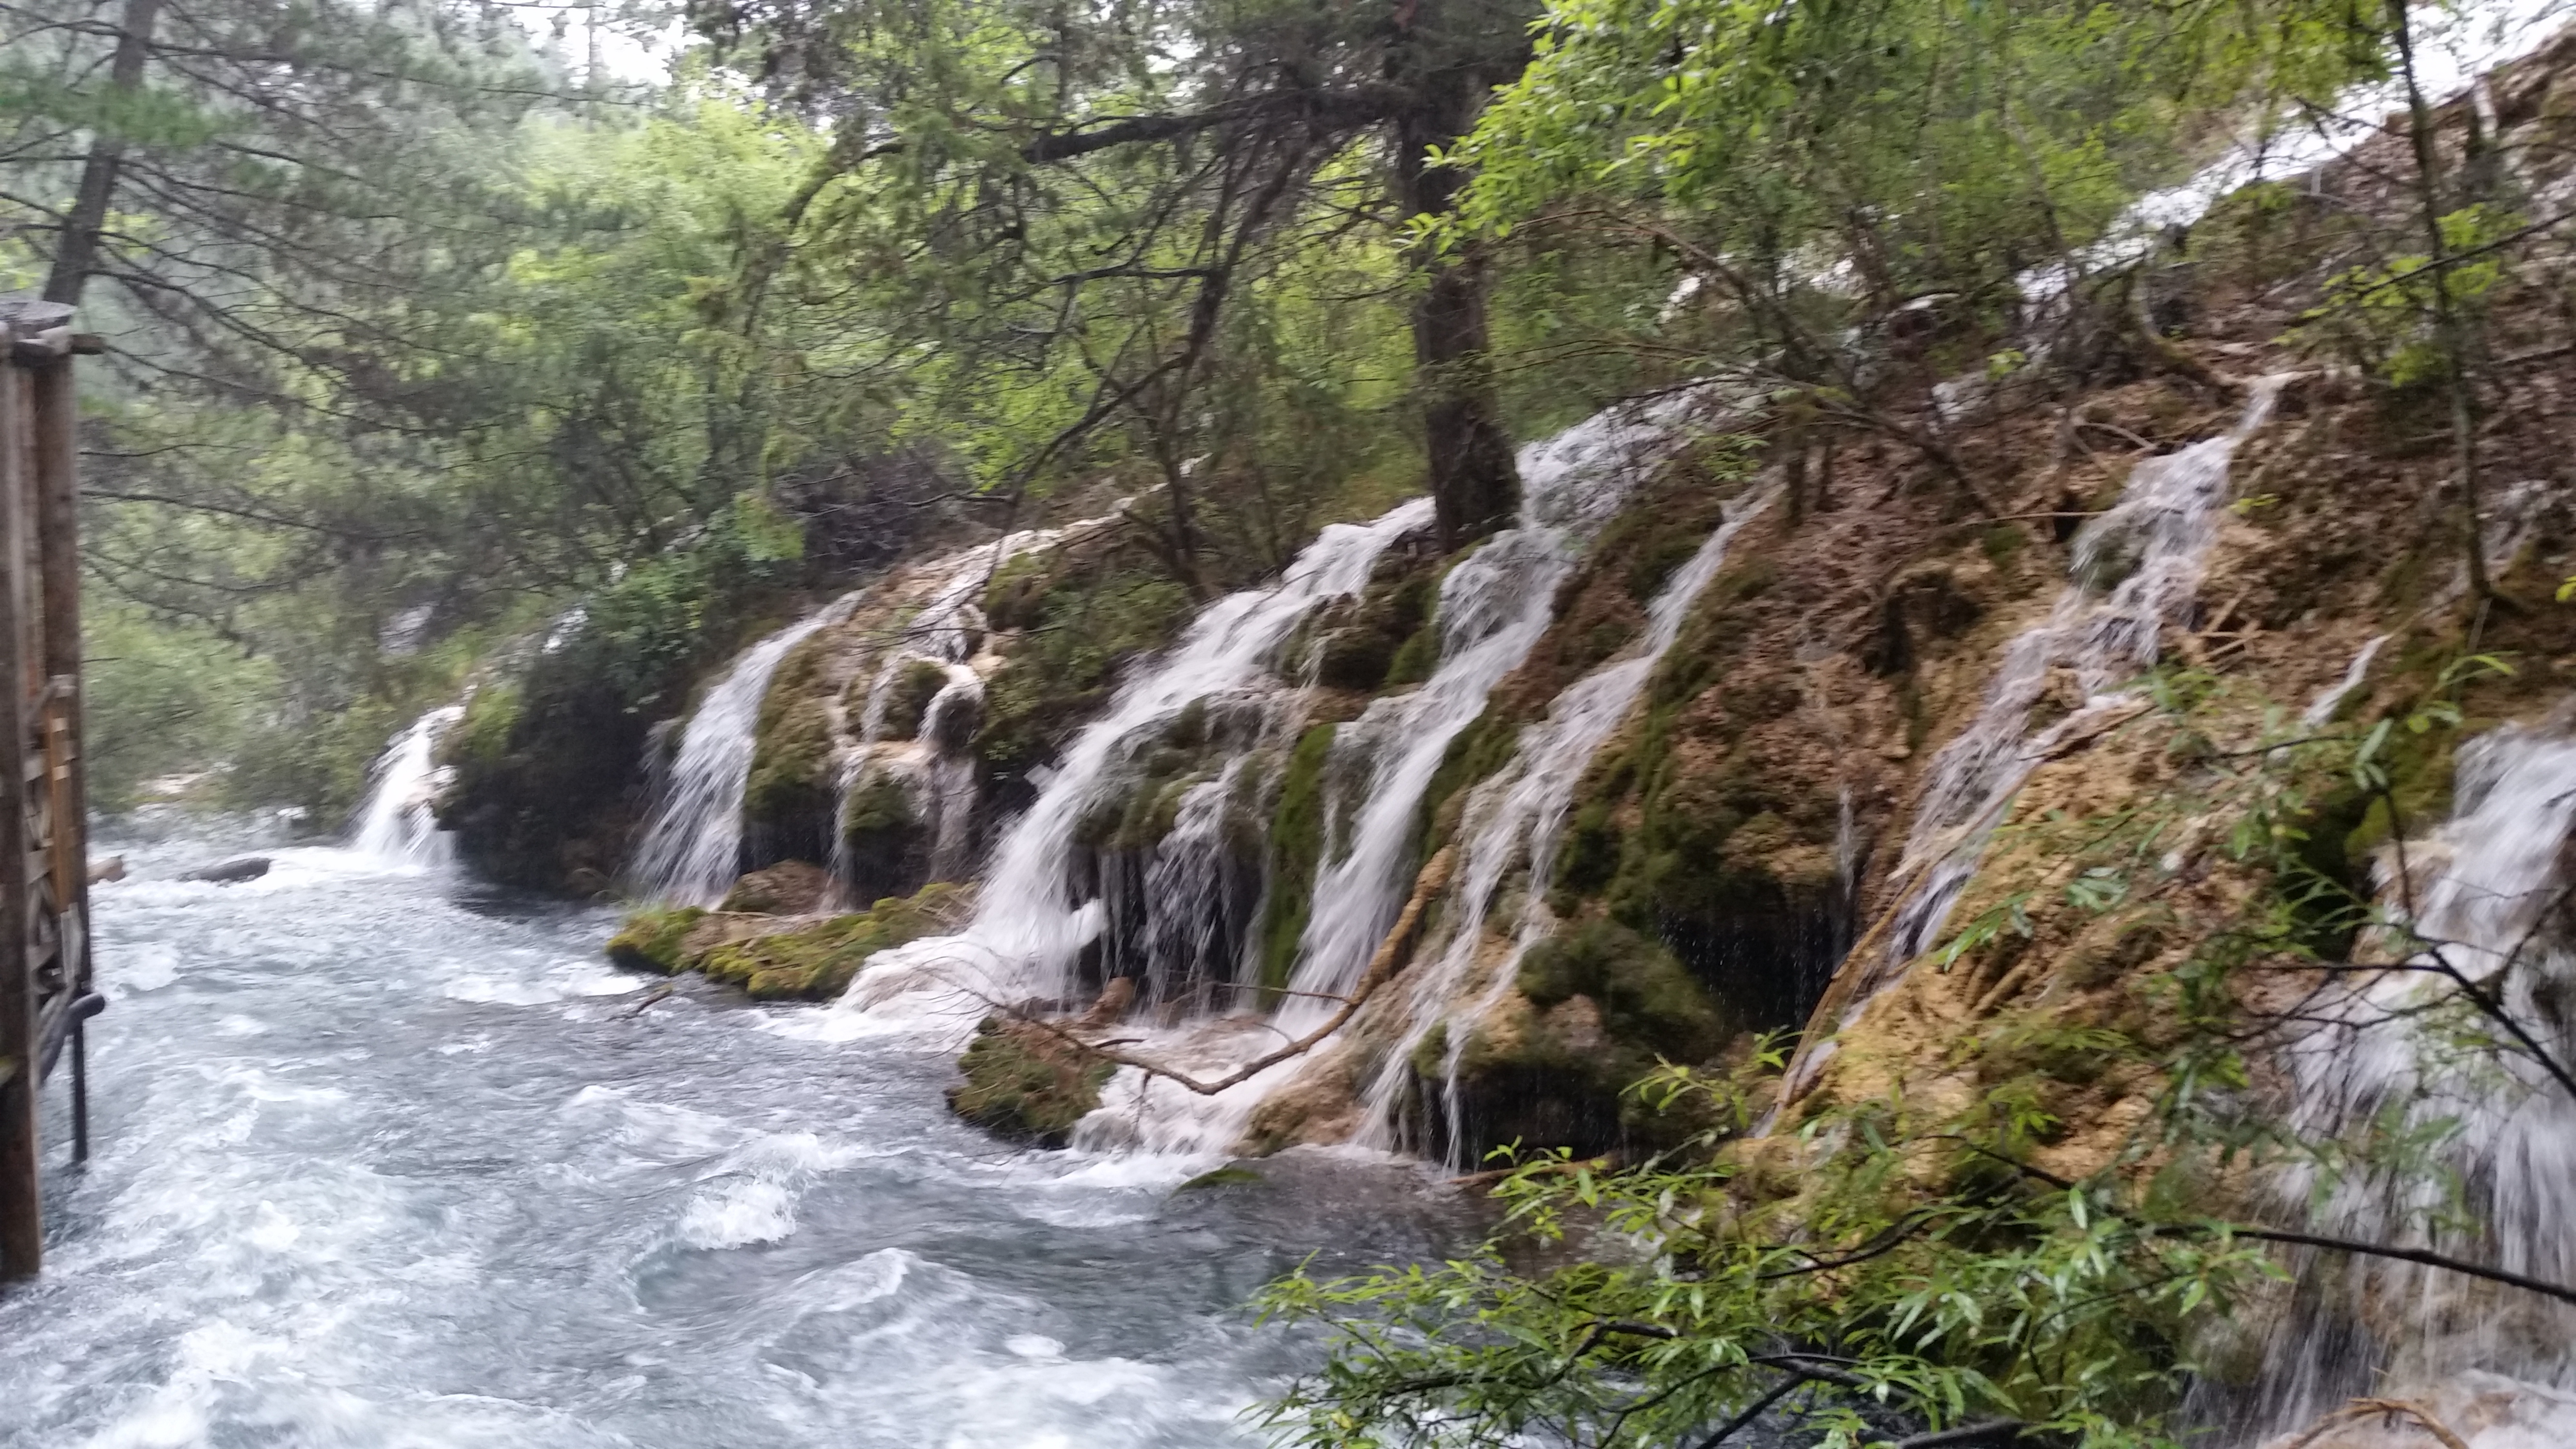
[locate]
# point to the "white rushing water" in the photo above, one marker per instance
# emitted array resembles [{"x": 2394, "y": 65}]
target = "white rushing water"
[
  {"x": 398, "y": 823},
  {"x": 2487, "y": 892},
  {"x": 1032, "y": 920},
  {"x": 692, "y": 846},
  {"x": 1517, "y": 818},
  {"x": 1494, "y": 606},
  {"x": 2136, "y": 569},
  {"x": 936, "y": 767},
  {"x": 2322, "y": 709},
  {"x": 386, "y": 1161}
]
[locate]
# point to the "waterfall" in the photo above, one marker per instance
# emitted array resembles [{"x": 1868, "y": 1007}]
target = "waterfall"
[
  {"x": 935, "y": 767},
  {"x": 1518, "y": 817},
  {"x": 693, "y": 845},
  {"x": 1029, "y": 925},
  {"x": 2489, "y": 891},
  {"x": 1494, "y": 606},
  {"x": 2321, "y": 710},
  {"x": 2135, "y": 568},
  {"x": 397, "y": 822}
]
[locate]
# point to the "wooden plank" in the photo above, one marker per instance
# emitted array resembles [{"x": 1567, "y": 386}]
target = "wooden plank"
[{"x": 22, "y": 1229}]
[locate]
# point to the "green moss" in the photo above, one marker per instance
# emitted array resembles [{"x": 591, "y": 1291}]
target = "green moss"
[
  {"x": 1017, "y": 596},
  {"x": 1359, "y": 650},
  {"x": 908, "y": 697},
  {"x": 1026, "y": 1085},
  {"x": 1648, "y": 1003},
  {"x": 1296, "y": 847},
  {"x": 813, "y": 961},
  {"x": 1082, "y": 626},
  {"x": 878, "y": 806},
  {"x": 1431, "y": 1054},
  {"x": 1478, "y": 751},
  {"x": 1415, "y": 658},
  {"x": 791, "y": 761},
  {"x": 2003, "y": 543},
  {"x": 651, "y": 939},
  {"x": 1661, "y": 551},
  {"x": 483, "y": 736}
]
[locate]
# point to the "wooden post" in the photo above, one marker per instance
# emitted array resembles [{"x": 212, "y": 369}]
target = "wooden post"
[
  {"x": 22, "y": 1232},
  {"x": 57, "y": 430}
]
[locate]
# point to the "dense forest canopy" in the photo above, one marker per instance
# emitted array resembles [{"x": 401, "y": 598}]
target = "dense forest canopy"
[{"x": 426, "y": 327}]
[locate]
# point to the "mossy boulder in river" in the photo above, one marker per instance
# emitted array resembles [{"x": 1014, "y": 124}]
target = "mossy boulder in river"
[
  {"x": 655, "y": 939},
  {"x": 1026, "y": 1083},
  {"x": 774, "y": 958}
]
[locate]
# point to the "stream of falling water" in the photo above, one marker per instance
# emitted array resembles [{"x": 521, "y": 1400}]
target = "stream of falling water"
[
  {"x": 2135, "y": 569},
  {"x": 1493, "y": 608},
  {"x": 1029, "y": 923},
  {"x": 2488, "y": 890},
  {"x": 692, "y": 846},
  {"x": 398, "y": 823},
  {"x": 385, "y": 1160},
  {"x": 1518, "y": 817}
]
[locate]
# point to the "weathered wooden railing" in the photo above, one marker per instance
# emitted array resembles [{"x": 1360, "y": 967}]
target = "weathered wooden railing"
[{"x": 46, "y": 989}]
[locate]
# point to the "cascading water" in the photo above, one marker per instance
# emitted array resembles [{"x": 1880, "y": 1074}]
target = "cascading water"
[
  {"x": 1518, "y": 817},
  {"x": 2322, "y": 709},
  {"x": 1494, "y": 606},
  {"x": 1029, "y": 923},
  {"x": 2488, "y": 891},
  {"x": 934, "y": 768},
  {"x": 397, "y": 824},
  {"x": 693, "y": 846},
  {"x": 2135, "y": 568}
]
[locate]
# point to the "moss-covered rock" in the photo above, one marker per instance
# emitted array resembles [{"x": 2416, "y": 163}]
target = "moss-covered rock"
[
  {"x": 1357, "y": 646},
  {"x": 1597, "y": 1007},
  {"x": 1027, "y": 1084},
  {"x": 885, "y": 849},
  {"x": 549, "y": 769},
  {"x": 809, "y": 960},
  {"x": 789, "y": 888},
  {"x": 1296, "y": 847},
  {"x": 652, "y": 939},
  {"x": 1078, "y": 623},
  {"x": 908, "y": 697},
  {"x": 787, "y": 800}
]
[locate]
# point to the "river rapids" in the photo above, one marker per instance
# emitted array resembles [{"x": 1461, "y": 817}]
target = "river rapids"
[{"x": 385, "y": 1159}]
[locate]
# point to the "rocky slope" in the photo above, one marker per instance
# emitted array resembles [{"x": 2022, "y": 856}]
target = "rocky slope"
[{"x": 1826, "y": 749}]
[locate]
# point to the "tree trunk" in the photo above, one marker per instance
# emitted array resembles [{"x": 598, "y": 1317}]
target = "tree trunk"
[
  {"x": 2451, "y": 327},
  {"x": 76, "y": 254},
  {"x": 1475, "y": 483}
]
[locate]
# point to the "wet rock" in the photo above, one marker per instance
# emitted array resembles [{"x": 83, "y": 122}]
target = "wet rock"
[
  {"x": 655, "y": 939},
  {"x": 789, "y": 888},
  {"x": 908, "y": 698},
  {"x": 1026, "y": 1083},
  {"x": 776, "y": 958},
  {"x": 112, "y": 868},
  {"x": 228, "y": 872}
]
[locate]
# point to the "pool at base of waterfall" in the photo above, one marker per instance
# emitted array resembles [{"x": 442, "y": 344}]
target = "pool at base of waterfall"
[{"x": 386, "y": 1160}]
